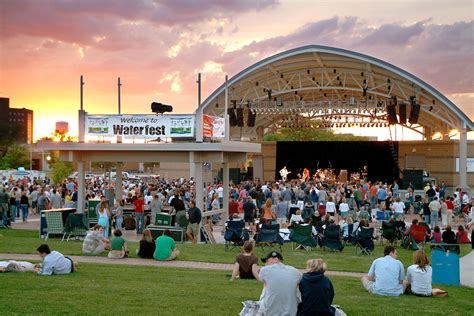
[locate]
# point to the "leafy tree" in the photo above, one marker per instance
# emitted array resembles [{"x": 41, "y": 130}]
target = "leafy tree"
[
  {"x": 310, "y": 134},
  {"x": 61, "y": 170},
  {"x": 15, "y": 156},
  {"x": 105, "y": 165}
]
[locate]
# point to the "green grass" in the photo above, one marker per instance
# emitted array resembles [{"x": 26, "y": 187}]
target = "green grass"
[
  {"x": 121, "y": 290},
  {"x": 23, "y": 241}
]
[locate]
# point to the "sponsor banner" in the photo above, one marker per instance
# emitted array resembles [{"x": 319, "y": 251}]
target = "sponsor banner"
[
  {"x": 140, "y": 126},
  {"x": 213, "y": 126}
]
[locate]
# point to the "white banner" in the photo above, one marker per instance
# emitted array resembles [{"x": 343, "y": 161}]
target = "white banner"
[
  {"x": 213, "y": 126},
  {"x": 140, "y": 126}
]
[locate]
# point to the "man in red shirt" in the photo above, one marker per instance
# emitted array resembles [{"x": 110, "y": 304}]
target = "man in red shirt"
[
  {"x": 450, "y": 207},
  {"x": 139, "y": 205},
  {"x": 233, "y": 208}
]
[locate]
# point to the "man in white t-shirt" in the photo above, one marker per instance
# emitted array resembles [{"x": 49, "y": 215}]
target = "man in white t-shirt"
[{"x": 280, "y": 295}]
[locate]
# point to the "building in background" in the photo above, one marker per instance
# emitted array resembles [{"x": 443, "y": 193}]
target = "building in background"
[{"x": 18, "y": 121}]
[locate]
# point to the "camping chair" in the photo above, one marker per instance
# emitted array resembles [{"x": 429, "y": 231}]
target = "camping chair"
[
  {"x": 235, "y": 234},
  {"x": 364, "y": 241},
  {"x": 302, "y": 235},
  {"x": 389, "y": 232},
  {"x": 76, "y": 225},
  {"x": 308, "y": 211},
  {"x": 418, "y": 233},
  {"x": 350, "y": 230},
  {"x": 269, "y": 236},
  {"x": 332, "y": 238},
  {"x": 54, "y": 222}
]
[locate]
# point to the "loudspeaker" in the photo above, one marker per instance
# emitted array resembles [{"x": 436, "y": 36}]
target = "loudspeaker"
[
  {"x": 232, "y": 117},
  {"x": 392, "y": 114},
  {"x": 413, "y": 176},
  {"x": 251, "y": 118},
  {"x": 240, "y": 117},
  {"x": 415, "y": 112},
  {"x": 402, "y": 113}
]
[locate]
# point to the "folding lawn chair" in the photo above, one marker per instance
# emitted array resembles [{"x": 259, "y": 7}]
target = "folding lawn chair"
[
  {"x": 54, "y": 221},
  {"x": 418, "y": 233},
  {"x": 363, "y": 241},
  {"x": 235, "y": 234},
  {"x": 332, "y": 238},
  {"x": 76, "y": 225},
  {"x": 269, "y": 236},
  {"x": 301, "y": 235},
  {"x": 389, "y": 232}
]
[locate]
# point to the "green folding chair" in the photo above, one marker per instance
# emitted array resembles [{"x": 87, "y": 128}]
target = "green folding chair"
[{"x": 54, "y": 221}]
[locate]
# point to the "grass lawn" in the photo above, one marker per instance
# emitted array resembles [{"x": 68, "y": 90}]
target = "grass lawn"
[
  {"x": 121, "y": 290},
  {"x": 24, "y": 241}
]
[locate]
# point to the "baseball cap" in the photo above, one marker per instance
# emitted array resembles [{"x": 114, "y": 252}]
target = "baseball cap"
[{"x": 273, "y": 254}]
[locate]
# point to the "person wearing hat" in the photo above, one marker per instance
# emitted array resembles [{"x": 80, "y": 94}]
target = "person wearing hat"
[{"x": 280, "y": 295}]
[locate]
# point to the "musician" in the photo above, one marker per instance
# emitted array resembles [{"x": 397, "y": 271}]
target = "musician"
[
  {"x": 284, "y": 173},
  {"x": 365, "y": 172},
  {"x": 305, "y": 174}
]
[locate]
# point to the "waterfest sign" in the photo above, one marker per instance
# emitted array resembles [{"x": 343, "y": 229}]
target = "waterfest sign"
[{"x": 140, "y": 126}]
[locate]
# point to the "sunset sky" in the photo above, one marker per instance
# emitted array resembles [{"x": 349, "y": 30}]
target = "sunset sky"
[{"x": 158, "y": 47}]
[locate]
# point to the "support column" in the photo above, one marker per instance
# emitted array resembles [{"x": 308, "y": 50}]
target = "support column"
[
  {"x": 118, "y": 182},
  {"x": 80, "y": 187},
  {"x": 225, "y": 185},
  {"x": 82, "y": 127},
  {"x": 463, "y": 157},
  {"x": 197, "y": 170},
  {"x": 226, "y": 111}
]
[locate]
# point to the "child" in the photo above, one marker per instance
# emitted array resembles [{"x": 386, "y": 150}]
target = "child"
[
  {"x": 118, "y": 246},
  {"x": 436, "y": 235}
]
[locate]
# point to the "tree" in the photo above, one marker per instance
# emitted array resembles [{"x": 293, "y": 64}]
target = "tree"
[
  {"x": 16, "y": 156},
  {"x": 310, "y": 134},
  {"x": 61, "y": 170}
]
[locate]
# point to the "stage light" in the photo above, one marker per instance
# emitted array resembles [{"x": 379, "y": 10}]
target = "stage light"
[
  {"x": 251, "y": 118},
  {"x": 232, "y": 117},
  {"x": 269, "y": 91}
]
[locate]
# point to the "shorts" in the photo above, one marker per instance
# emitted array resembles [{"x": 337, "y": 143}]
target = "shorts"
[{"x": 193, "y": 228}]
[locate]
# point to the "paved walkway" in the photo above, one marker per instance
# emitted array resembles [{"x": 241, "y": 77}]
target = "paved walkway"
[
  {"x": 154, "y": 263},
  {"x": 467, "y": 270}
]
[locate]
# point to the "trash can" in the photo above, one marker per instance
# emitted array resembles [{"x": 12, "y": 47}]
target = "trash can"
[
  {"x": 91, "y": 214},
  {"x": 445, "y": 264}
]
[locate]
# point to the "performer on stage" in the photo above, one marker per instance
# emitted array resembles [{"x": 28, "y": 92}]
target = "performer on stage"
[
  {"x": 284, "y": 173},
  {"x": 305, "y": 174},
  {"x": 365, "y": 173}
]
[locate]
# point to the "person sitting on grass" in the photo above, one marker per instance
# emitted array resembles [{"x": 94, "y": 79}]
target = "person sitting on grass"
[
  {"x": 16, "y": 266},
  {"x": 146, "y": 247},
  {"x": 385, "y": 275},
  {"x": 95, "y": 243},
  {"x": 436, "y": 236},
  {"x": 462, "y": 236},
  {"x": 419, "y": 275},
  {"x": 165, "y": 249},
  {"x": 53, "y": 262},
  {"x": 317, "y": 292},
  {"x": 118, "y": 246},
  {"x": 246, "y": 263},
  {"x": 448, "y": 236}
]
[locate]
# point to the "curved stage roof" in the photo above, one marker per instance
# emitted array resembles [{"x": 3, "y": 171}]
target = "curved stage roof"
[{"x": 335, "y": 88}]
